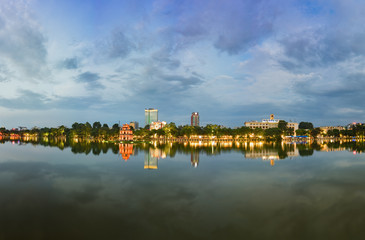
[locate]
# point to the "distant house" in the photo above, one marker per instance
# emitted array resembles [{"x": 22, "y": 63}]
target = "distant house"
[
  {"x": 270, "y": 123},
  {"x": 325, "y": 129},
  {"x": 126, "y": 133},
  {"x": 157, "y": 125},
  {"x": 14, "y": 136}
]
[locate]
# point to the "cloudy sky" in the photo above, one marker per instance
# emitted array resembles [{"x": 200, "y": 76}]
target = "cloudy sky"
[{"x": 232, "y": 61}]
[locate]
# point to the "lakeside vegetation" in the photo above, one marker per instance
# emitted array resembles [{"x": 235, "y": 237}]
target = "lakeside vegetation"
[
  {"x": 210, "y": 148},
  {"x": 102, "y": 132}
]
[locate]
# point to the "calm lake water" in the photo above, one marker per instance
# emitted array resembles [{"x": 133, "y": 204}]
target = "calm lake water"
[{"x": 228, "y": 191}]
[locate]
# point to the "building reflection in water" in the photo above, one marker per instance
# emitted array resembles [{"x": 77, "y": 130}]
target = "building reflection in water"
[
  {"x": 126, "y": 150},
  {"x": 152, "y": 156},
  {"x": 194, "y": 158},
  {"x": 274, "y": 153},
  {"x": 265, "y": 151}
]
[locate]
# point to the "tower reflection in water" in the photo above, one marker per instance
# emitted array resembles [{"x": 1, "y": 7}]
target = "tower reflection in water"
[
  {"x": 126, "y": 150},
  {"x": 151, "y": 158},
  {"x": 194, "y": 158}
]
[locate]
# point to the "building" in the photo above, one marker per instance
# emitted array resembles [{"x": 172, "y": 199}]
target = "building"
[
  {"x": 325, "y": 129},
  {"x": 157, "y": 125},
  {"x": 14, "y": 136},
  {"x": 270, "y": 123},
  {"x": 150, "y": 115},
  {"x": 351, "y": 126},
  {"x": 126, "y": 133},
  {"x": 135, "y": 125},
  {"x": 195, "y": 119}
]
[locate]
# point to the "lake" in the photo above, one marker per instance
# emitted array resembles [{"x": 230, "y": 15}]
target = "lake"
[{"x": 57, "y": 190}]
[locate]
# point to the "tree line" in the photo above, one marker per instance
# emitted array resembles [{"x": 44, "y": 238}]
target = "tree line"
[
  {"x": 98, "y": 131},
  {"x": 213, "y": 130}
]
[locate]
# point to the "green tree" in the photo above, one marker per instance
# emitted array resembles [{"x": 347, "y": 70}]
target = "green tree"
[
  {"x": 170, "y": 130},
  {"x": 305, "y": 125},
  {"x": 244, "y": 131},
  {"x": 187, "y": 130},
  {"x": 273, "y": 133},
  {"x": 283, "y": 125},
  {"x": 96, "y": 125},
  {"x": 302, "y": 132},
  {"x": 258, "y": 132},
  {"x": 315, "y": 132},
  {"x": 336, "y": 132}
]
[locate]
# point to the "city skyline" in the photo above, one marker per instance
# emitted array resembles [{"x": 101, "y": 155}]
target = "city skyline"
[{"x": 232, "y": 61}]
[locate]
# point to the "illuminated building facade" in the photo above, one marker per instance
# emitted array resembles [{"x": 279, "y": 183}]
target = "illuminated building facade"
[
  {"x": 14, "y": 136},
  {"x": 195, "y": 119},
  {"x": 150, "y": 115},
  {"x": 325, "y": 129},
  {"x": 270, "y": 123},
  {"x": 157, "y": 125},
  {"x": 126, "y": 133}
]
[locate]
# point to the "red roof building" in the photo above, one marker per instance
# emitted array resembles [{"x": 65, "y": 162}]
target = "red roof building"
[{"x": 126, "y": 133}]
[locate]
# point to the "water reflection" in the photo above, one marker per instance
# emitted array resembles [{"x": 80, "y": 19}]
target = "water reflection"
[
  {"x": 52, "y": 194},
  {"x": 125, "y": 150},
  {"x": 152, "y": 156},
  {"x": 194, "y": 158},
  {"x": 266, "y": 151}
]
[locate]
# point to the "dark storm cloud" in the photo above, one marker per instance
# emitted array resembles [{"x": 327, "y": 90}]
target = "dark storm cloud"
[
  {"x": 26, "y": 100},
  {"x": 35, "y": 101},
  {"x": 242, "y": 24},
  {"x": 183, "y": 82},
  {"x": 22, "y": 44},
  {"x": 2, "y": 23},
  {"x": 90, "y": 79},
  {"x": 5, "y": 74},
  {"x": 337, "y": 36},
  {"x": 162, "y": 86},
  {"x": 320, "y": 49},
  {"x": 164, "y": 58},
  {"x": 232, "y": 25},
  {"x": 333, "y": 103},
  {"x": 70, "y": 63},
  {"x": 119, "y": 45},
  {"x": 350, "y": 89},
  {"x": 78, "y": 103}
]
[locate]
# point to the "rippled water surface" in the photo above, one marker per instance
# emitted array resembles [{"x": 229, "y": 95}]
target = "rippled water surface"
[{"x": 170, "y": 191}]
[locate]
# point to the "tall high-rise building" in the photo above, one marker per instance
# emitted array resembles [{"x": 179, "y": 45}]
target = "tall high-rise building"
[
  {"x": 150, "y": 115},
  {"x": 195, "y": 119}
]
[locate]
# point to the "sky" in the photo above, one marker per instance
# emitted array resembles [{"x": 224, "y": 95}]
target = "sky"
[{"x": 232, "y": 61}]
